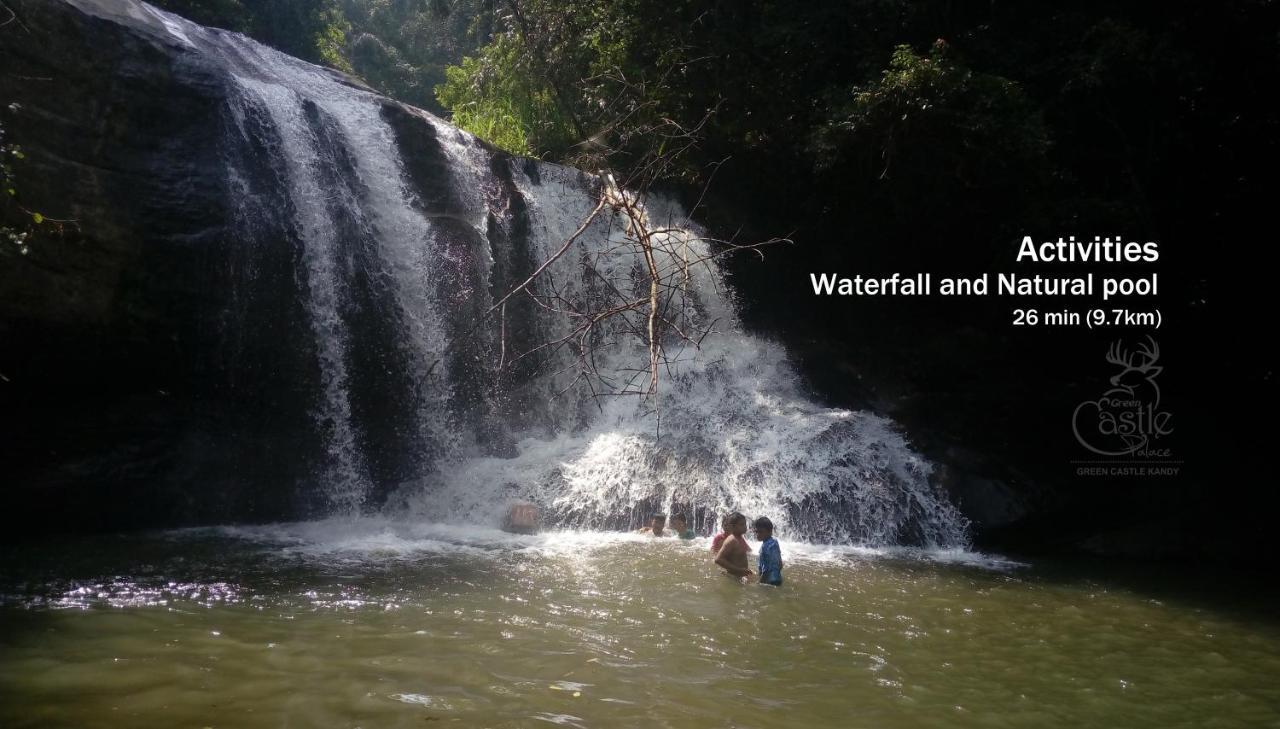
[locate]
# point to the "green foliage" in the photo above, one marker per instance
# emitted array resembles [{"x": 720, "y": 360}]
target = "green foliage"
[
  {"x": 331, "y": 40},
  {"x": 930, "y": 122},
  {"x": 483, "y": 109},
  {"x": 402, "y": 47},
  {"x": 496, "y": 97},
  {"x": 583, "y": 83}
]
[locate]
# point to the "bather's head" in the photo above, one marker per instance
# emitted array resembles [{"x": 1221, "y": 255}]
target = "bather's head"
[
  {"x": 657, "y": 523},
  {"x": 763, "y": 528},
  {"x": 736, "y": 524}
]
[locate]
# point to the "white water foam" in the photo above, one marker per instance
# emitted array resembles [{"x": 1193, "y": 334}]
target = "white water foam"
[
  {"x": 729, "y": 429},
  {"x": 378, "y": 539}
]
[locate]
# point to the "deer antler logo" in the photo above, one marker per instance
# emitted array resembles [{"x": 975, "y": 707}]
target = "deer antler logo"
[
  {"x": 1138, "y": 369},
  {"x": 1127, "y": 418}
]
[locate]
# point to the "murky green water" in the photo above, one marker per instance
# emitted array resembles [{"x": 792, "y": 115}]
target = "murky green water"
[{"x": 382, "y": 626}]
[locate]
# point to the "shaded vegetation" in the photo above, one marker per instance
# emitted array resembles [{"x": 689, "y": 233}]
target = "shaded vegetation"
[{"x": 992, "y": 117}]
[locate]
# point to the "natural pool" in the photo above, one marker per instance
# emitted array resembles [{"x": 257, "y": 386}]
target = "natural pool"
[{"x": 383, "y": 624}]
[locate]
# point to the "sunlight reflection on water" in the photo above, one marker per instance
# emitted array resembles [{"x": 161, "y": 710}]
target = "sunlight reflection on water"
[{"x": 377, "y": 623}]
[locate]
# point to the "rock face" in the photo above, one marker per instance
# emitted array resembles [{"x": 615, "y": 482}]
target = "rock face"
[
  {"x": 109, "y": 324},
  {"x": 270, "y": 300}
]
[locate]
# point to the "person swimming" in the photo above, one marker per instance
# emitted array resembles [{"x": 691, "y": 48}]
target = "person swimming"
[
  {"x": 733, "y": 554},
  {"x": 680, "y": 527},
  {"x": 657, "y": 526}
]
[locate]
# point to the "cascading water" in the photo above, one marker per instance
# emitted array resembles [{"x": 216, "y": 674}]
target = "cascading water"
[
  {"x": 408, "y": 230},
  {"x": 736, "y": 433},
  {"x": 303, "y": 171},
  {"x": 340, "y": 200}
]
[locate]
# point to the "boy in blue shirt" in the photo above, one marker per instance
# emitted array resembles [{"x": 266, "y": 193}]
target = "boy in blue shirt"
[{"x": 770, "y": 553}]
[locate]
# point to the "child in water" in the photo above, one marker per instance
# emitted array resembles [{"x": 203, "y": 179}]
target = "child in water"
[
  {"x": 718, "y": 539},
  {"x": 733, "y": 552},
  {"x": 657, "y": 526},
  {"x": 680, "y": 525},
  {"x": 770, "y": 553}
]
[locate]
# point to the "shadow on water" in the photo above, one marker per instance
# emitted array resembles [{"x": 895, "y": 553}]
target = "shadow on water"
[{"x": 1243, "y": 593}]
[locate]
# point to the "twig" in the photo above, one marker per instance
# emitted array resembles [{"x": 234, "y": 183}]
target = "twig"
[{"x": 581, "y": 229}]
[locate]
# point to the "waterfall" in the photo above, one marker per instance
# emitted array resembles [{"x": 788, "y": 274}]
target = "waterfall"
[
  {"x": 407, "y": 231},
  {"x": 303, "y": 170},
  {"x": 346, "y": 187}
]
